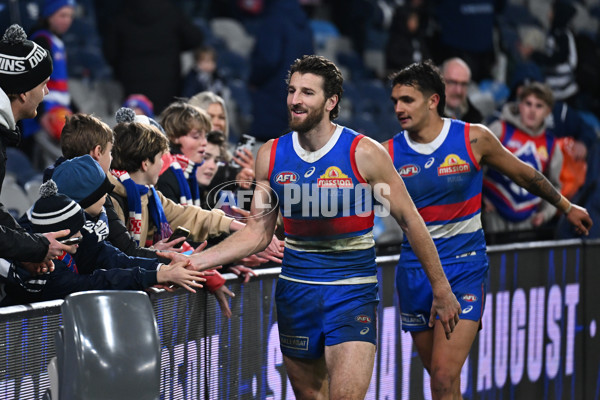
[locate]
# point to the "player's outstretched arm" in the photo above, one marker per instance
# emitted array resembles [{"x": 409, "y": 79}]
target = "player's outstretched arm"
[
  {"x": 488, "y": 150},
  {"x": 375, "y": 166},
  {"x": 257, "y": 234}
]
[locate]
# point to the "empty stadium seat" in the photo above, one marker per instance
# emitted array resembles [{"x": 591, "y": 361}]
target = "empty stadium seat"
[
  {"x": 108, "y": 347},
  {"x": 13, "y": 198},
  {"x": 234, "y": 34}
]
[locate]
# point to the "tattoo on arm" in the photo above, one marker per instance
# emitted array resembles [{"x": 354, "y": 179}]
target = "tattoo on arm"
[{"x": 540, "y": 186}]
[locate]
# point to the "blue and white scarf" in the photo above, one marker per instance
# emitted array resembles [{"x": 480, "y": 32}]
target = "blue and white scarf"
[
  {"x": 134, "y": 203},
  {"x": 185, "y": 172}
]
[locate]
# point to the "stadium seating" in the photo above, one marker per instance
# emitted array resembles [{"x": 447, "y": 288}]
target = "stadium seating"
[{"x": 108, "y": 347}]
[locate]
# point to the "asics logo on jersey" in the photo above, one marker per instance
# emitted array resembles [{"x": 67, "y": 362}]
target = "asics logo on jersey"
[
  {"x": 429, "y": 162},
  {"x": 467, "y": 310},
  {"x": 310, "y": 171},
  {"x": 364, "y": 331}
]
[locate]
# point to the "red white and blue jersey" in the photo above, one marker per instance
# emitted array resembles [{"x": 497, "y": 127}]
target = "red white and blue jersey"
[
  {"x": 58, "y": 87},
  {"x": 327, "y": 210},
  {"x": 445, "y": 182},
  {"x": 510, "y": 200}
]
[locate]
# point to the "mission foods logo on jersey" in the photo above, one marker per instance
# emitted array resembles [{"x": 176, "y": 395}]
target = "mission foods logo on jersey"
[
  {"x": 334, "y": 178},
  {"x": 453, "y": 164}
]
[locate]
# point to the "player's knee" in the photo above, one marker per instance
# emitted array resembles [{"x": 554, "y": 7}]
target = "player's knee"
[
  {"x": 311, "y": 388},
  {"x": 443, "y": 381}
]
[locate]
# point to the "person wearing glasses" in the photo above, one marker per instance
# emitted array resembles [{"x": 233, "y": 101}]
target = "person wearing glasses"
[{"x": 457, "y": 76}]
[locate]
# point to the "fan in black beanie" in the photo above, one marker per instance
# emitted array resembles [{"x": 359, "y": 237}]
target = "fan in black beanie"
[
  {"x": 25, "y": 67},
  {"x": 54, "y": 211}
]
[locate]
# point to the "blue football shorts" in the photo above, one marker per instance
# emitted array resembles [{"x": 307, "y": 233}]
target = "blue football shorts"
[
  {"x": 311, "y": 316},
  {"x": 468, "y": 280}
]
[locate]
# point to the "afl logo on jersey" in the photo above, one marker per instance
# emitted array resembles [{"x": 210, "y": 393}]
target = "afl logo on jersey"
[
  {"x": 406, "y": 171},
  {"x": 469, "y": 297},
  {"x": 285, "y": 177},
  {"x": 453, "y": 164},
  {"x": 365, "y": 319}
]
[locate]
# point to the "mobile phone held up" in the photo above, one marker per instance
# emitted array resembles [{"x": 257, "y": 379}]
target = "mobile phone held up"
[
  {"x": 246, "y": 142},
  {"x": 72, "y": 240},
  {"x": 179, "y": 232}
]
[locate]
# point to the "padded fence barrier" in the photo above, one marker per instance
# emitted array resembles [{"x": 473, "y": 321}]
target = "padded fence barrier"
[{"x": 539, "y": 338}]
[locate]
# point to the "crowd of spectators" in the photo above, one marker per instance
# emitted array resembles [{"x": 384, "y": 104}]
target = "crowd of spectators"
[{"x": 527, "y": 71}]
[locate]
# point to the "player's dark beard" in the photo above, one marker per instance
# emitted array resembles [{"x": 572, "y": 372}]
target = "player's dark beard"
[{"x": 312, "y": 119}]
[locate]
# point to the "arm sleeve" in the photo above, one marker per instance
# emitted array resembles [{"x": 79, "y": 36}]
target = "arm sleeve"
[
  {"x": 93, "y": 256},
  {"x": 64, "y": 282}
]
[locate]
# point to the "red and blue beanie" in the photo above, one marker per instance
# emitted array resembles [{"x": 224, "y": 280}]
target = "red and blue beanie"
[{"x": 142, "y": 102}]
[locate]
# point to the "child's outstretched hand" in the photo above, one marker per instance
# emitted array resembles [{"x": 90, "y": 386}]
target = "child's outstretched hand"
[{"x": 176, "y": 273}]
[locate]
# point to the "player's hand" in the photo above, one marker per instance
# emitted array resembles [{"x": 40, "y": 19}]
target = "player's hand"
[
  {"x": 221, "y": 296},
  {"x": 580, "y": 219},
  {"x": 447, "y": 309}
]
